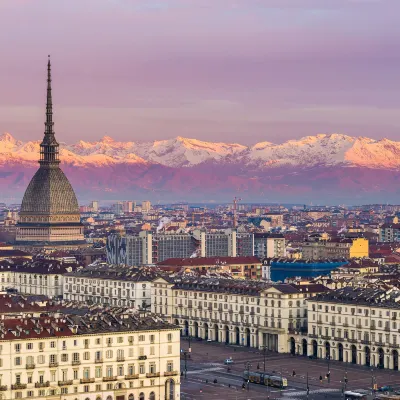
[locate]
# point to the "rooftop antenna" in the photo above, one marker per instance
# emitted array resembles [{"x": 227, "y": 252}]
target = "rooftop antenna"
[{"x": 235, "y": 201}]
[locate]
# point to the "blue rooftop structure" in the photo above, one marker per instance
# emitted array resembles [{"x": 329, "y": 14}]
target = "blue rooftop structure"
[{"x": 283, "y": 268}]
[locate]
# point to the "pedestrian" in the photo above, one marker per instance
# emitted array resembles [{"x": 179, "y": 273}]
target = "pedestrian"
[
  {"x": 294, "y": 373},
  {"x": 320, "y": 378}
]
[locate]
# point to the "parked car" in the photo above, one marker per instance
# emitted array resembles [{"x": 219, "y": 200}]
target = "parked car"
[{"x": 228, "y": 361}]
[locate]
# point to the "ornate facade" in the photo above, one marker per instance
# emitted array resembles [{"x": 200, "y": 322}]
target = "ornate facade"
[{"x": 49, "y": 215}]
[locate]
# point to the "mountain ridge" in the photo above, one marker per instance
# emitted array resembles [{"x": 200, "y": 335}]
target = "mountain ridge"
[{"x": 327, "y": 168}]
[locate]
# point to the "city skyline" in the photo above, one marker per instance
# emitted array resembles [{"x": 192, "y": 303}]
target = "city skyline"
[{"x": 273, "y": 70}]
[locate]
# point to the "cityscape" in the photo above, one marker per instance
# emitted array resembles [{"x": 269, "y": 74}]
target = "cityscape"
[{"x": 234, "y": 265}]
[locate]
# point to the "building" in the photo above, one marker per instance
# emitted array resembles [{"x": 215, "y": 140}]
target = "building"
[
  {"x": 238, "y": 267},
  {"x": 282, "y": 268},
  {"x": 49, "y": 215},
  {"x": 389, "y": 233},
  {"x": 336, "y": 248},
  {"x": 94, "y": 205},
  {"x": 101, "y": 355},
  {"x": 245, "y": 313},
  {"x": 38, "y": 277},
  {"x": 356, "y": 325},
  {"x": 110, "y": 286},
  {"x": 146, "y": 206},
  {"x": 268, "y": 245}
]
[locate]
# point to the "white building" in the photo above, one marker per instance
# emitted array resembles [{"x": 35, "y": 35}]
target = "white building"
[
  {"x": 110, "y": 285},
  {"x": 40, "y": 277},
  {"x": 95, "y": 357},
  {"x": 241, "y": 312},
  {"x": 355, "y": 325}
]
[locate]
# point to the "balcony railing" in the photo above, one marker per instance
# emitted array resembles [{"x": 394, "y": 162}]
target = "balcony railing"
[
  {"x": 87, "y": 380},
  {"x": 129, "y": 377},
  {"x": 3, "y": 388},
  {"x": 153, "y": 375},
  {"x": 352, "y": 340},
  {"x": 42, "y": 384},
  {"x": 19, "y": 386},
  {"x": 142, "y": 357},
  {"x": 65, "y": 383},
  {"x": 53, "y": 364},
  {"x": 76, "y": 362},
  {"x": 171, "y": 373},
  {"x": 109, "y": 378},
  {"x": 30, "y": 366},
  {"x": 98, "y": 360},
  {"x": 121, "y": 359}
]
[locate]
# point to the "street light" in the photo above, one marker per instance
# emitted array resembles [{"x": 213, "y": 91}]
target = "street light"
[
  {"x": 328, "y": 357},
  {"x": 264, "y": 348},
  {"x": 248, "y": 365}
]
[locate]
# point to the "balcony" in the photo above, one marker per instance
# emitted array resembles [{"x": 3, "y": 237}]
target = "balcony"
[
  {"x": 373, "y": 327},
  {"x": 3, "y": 388},
  {"x": 30, "y": 366},
  {"x": 98, "y": 360},
  {"x": 19, "y": 386},
  {"x": 326, "y": 337},
  {"x": 171, "y": 373},
  {"x": 365, "y": 341},
  {"x": 142, "y": 357},
  {"x": 65, "y": 383},
  {"x": 345, "y": 324},
  {"x": 153, "y": 375},
  {"x": 379, "y": 344},
  {"x": 109, "y": 378},
  {"x": 121, "y": 359},
  {"x": 333, "y": 323},
  {"x": 394, "y": 345},
  {"x": 387, "y": 329},
  {"x": 53, "y": 364},
  {"x": 41, "y": 384},
  {"x": 76, "y": 362},
  {"x": 129, "y": 377},
  {"x": 87, "y": 380},
  {"x": 352, "y": 340}
]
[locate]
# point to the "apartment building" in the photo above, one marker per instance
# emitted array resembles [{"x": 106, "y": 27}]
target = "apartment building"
[
  {"x": 268, "y": 245},
  {"x": 110, "y": 285},
  {"x": 98, "y": 357},
  {"x": 355, "y": 325},
  {"x": 389, "y": 233},
  {"x": 336, "y": 248},
  {"x": 242, "y": 312}
]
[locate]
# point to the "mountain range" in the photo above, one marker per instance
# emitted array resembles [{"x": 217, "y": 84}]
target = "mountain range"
[{"x": 322, "y": 168}]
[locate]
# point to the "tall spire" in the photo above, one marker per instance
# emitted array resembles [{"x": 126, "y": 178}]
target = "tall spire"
[
  {"x": 49, "y": 104},
  {"x": 49, "y": 145}
]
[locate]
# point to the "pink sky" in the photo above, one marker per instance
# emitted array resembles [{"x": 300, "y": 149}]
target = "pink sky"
[{"x": 230, "y": 70}]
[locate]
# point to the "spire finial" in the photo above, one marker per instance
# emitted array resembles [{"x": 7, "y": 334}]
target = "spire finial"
[{"x": 49, "y": 146}]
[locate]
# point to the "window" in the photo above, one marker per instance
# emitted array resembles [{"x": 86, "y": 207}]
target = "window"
[
  {"x": 52, "y": 345},
  {"x": 29, "y": 346},
  {"x": 141, "y": 338},
  {"x": 64, "y": 357},
  {"x": 152, "y": 368},
  {"x": 170, "y": 366},
  {"x": 169, "y": 349},
  {"x": 109, "y": 371},
  {"x": 41, "y": 359},
  {"x": 17, "y": 360},
  {"x": 109, "y": 354},
  {"x": 86, "y": 355},
  {"x": 98, "y": 372},
  {"x": 169, "y": 337},
  {"x": 120, "y": 340},
  {"x": 75, "y": 357},
  {"x": 141, "y": 369},
  {"x": 18, "y": 348}
]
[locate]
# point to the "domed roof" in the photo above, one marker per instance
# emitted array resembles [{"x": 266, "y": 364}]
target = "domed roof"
[{"x": 49, "y": 192}]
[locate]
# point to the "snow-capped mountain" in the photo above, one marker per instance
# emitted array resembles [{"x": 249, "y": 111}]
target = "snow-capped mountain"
[
  {"x": 329, "y": 164},
  {"x": 309, "y": 151}
]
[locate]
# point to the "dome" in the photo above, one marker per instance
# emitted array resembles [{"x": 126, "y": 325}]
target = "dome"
[{"x": 49, "y": 192}]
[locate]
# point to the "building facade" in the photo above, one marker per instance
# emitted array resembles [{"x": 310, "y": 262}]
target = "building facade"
[
  {"x": 334, "y": 249},
  {"x": 389, "y": 233},
  {"x": 355, "y": 325},
  {"x": 245, "y": 313},
  {"x": 110, "y": 286},
  {"x": 267, "y": 245},
  {"x": 96, "y": 357}
]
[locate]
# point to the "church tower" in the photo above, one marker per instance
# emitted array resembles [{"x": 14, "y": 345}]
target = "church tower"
[{"x": 49, "y": 215}]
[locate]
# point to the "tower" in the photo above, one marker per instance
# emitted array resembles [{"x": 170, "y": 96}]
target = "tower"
[{"x": 49, "y": 215}]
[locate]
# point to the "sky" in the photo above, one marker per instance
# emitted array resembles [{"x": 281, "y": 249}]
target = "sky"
[{"x": 219, "y": 70}]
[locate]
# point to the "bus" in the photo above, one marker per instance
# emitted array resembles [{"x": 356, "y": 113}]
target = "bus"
[{"x": 266, "y": 379}]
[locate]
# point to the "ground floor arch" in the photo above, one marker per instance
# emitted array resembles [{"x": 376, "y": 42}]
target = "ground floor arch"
[
  {"x": 395, "y": 356},
  {"x": 196, "y": 329},
  {"x": 227, "y": 332},
  {"x": 237, "y": 335},
  {"x": 353, "y": 354},
  {"x": 292, "y": 346},
  {"x": 381, "y": 358},
  {"x": 367, "y": 351},
  {"x": 304, "y": 347},
  {"x": 170, "y": 389},
  {"x": 186, "y": 328},
  {"x": 340, "y": 352},
  {"x": 315, "y": 348},
  {"x": 206, "y": 331}
]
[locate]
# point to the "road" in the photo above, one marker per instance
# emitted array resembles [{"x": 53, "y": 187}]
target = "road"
[{"x": 206, "y": 364}]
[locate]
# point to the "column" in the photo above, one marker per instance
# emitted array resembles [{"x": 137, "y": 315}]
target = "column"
[{"x": 362, "y": 357}]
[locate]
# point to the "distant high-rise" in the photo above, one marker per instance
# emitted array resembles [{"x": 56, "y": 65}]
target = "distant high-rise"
[
  {"x": 49, "y": 215},
  {"x": 94, "y": 205},
  {"x": 146, "y": 206}
]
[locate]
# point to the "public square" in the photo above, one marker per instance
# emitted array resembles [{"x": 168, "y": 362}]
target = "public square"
[{"x": 205, "y": 363}]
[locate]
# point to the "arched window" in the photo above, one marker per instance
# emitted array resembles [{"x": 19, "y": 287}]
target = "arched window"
[
  {"x": 131, "y": 397},
  {"x": 141, "y": 396},
  {"x": 152, "y": 396}
]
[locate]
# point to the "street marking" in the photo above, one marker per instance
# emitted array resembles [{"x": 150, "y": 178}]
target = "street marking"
[{"x": 199, "y": 371}]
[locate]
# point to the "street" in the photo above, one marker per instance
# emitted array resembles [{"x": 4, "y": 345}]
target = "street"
[{"x": 205, "y": 363}]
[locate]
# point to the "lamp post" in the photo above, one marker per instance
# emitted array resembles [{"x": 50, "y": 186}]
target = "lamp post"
[
  {"x": 264, "y": 349},
  {"x": 248, "y": 365},
  {"x": 190, "y": 349},
  {"x": 328, "y": 357},
  {"x": 308, "y": 388},
  {"x": 185, "y": 355}
]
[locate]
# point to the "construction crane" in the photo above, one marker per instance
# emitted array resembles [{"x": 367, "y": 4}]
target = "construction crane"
[{"x": 235, "y": 201}]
